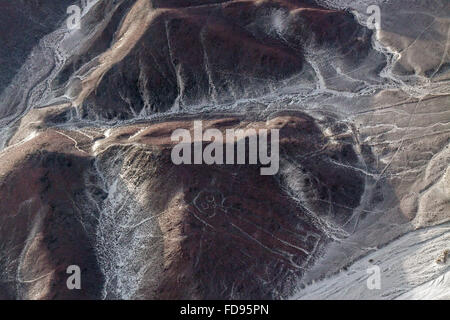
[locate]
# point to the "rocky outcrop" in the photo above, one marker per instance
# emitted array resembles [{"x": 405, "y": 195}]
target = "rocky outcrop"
[
  {"x": 186, "y": 226},
  {"x": 41, "y": 232},
  {"x": 179, "y": 55}
]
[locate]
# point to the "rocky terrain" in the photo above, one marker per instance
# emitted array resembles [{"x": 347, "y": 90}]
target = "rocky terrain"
[{"x": 86, "y": 176}]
